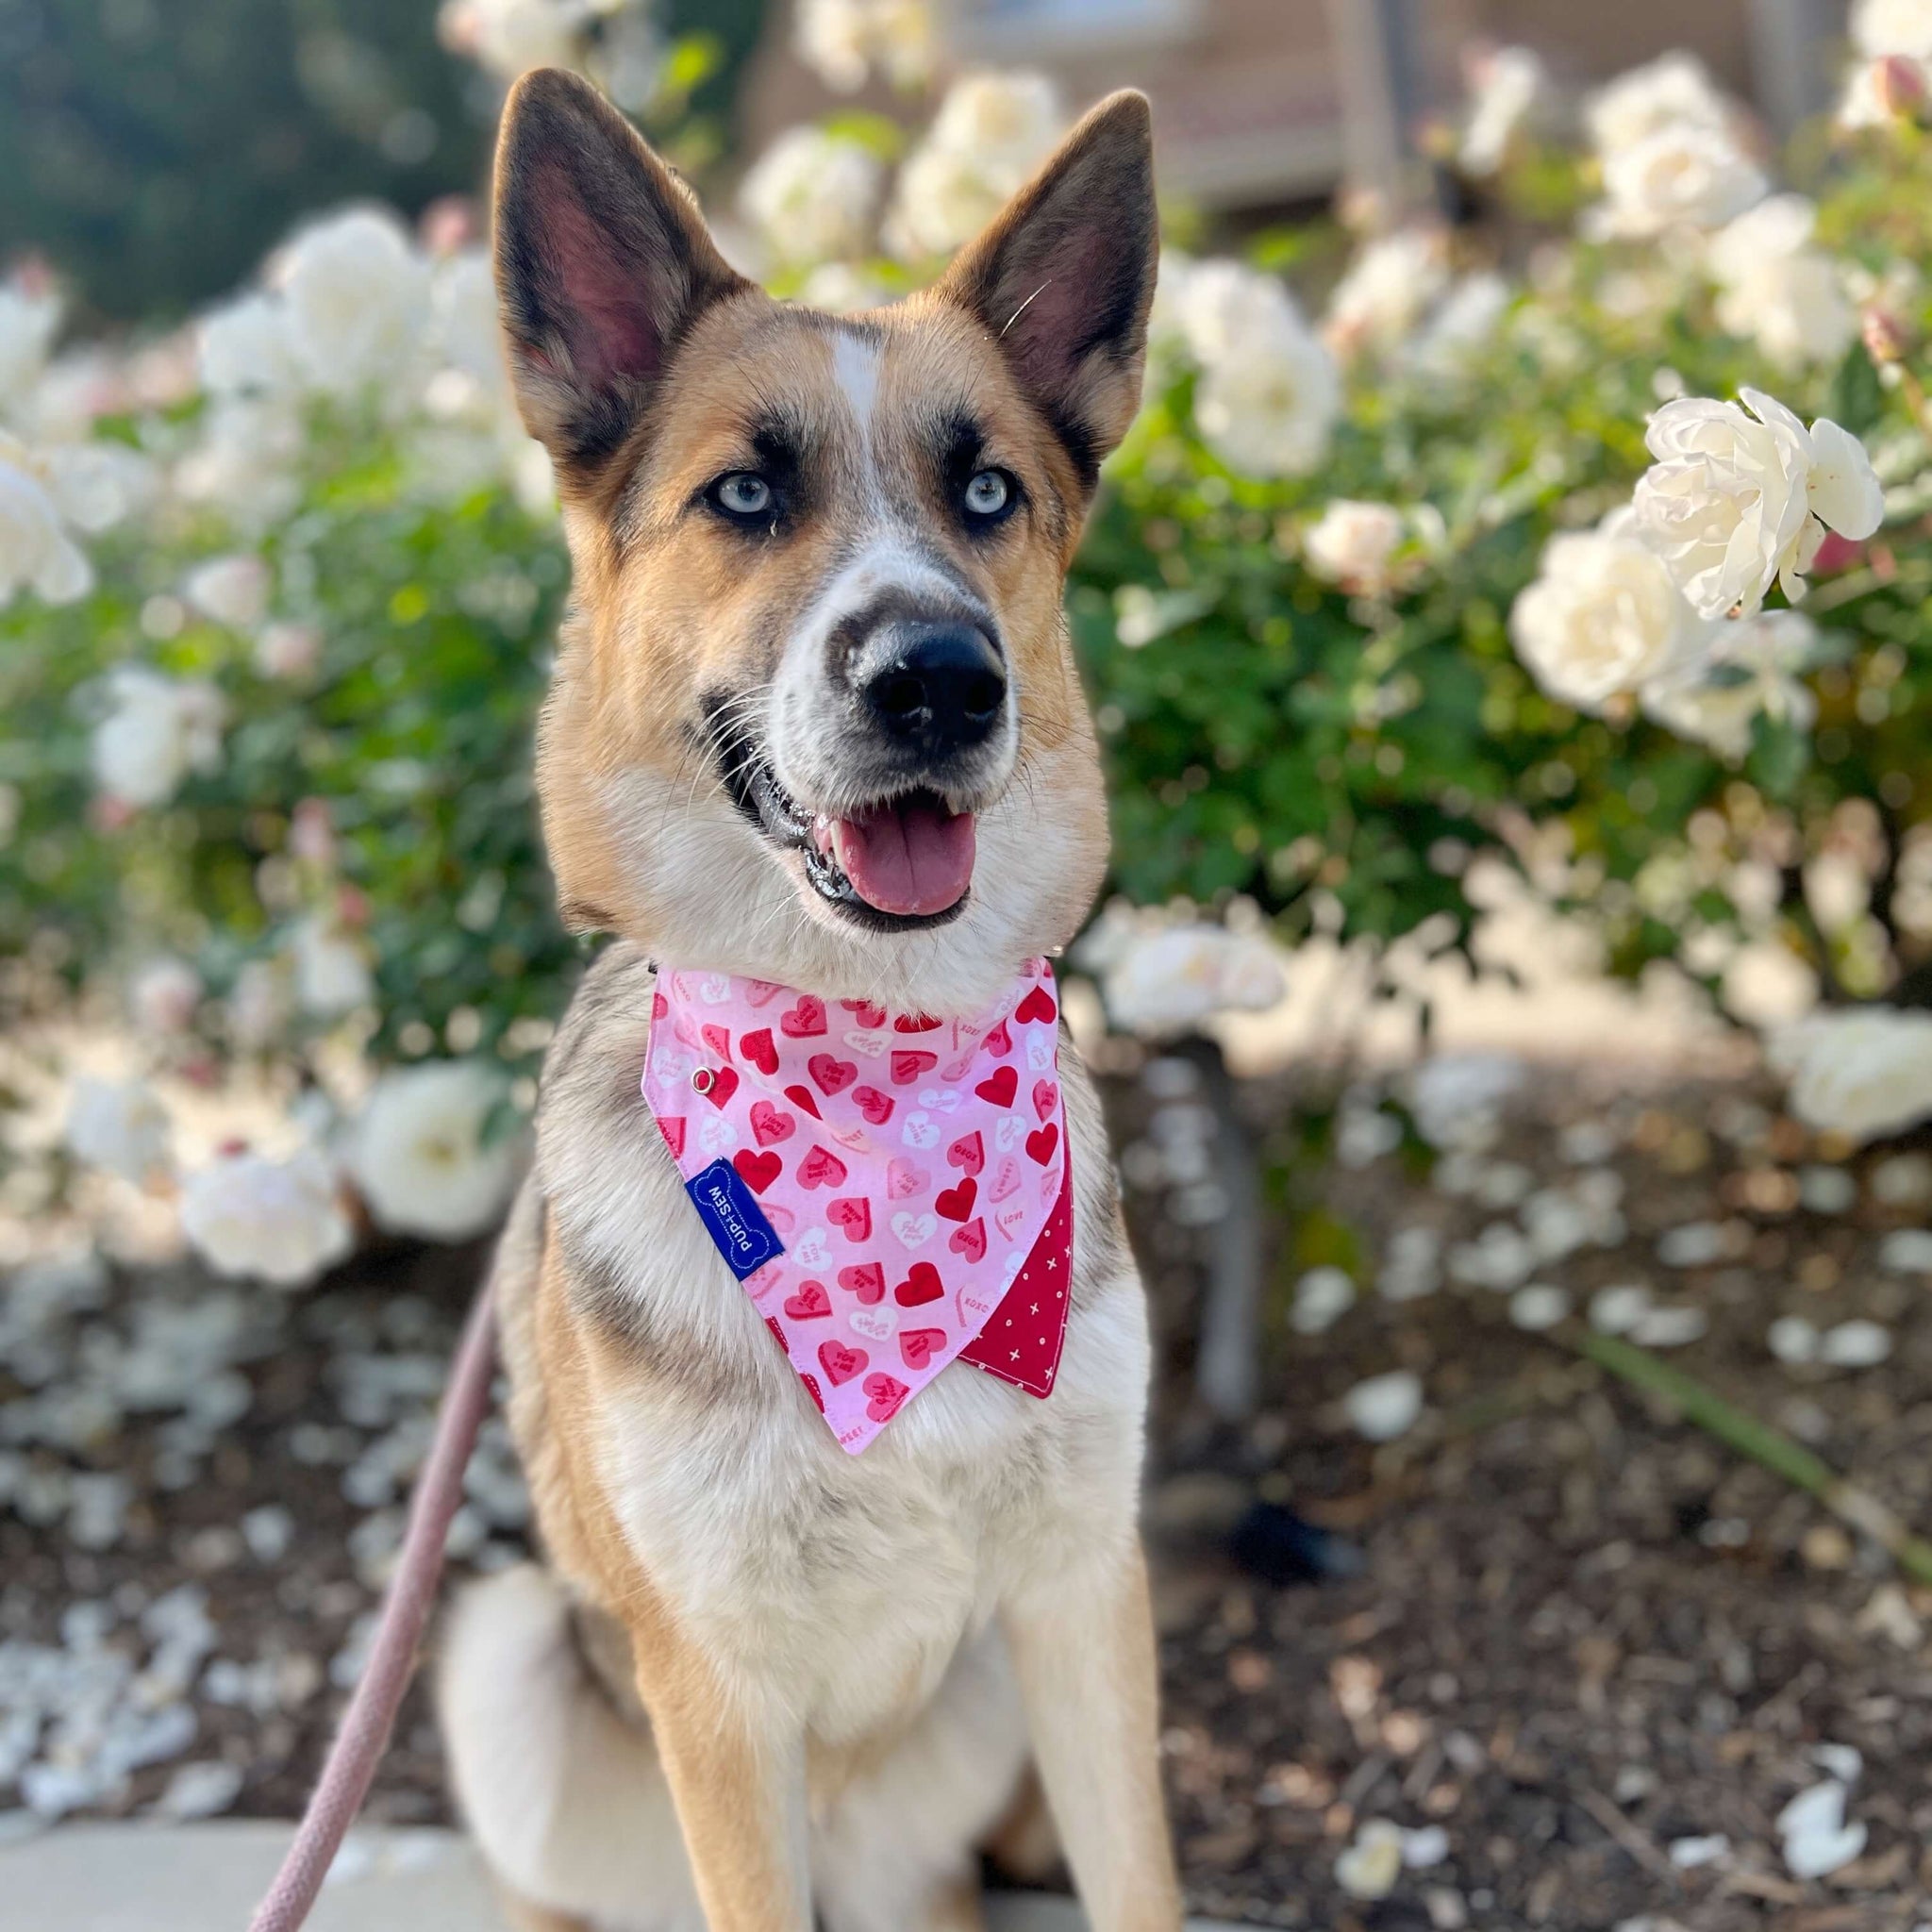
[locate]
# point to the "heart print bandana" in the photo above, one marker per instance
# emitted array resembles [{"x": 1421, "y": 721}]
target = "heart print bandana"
[{"x": 891, "y": 1189}]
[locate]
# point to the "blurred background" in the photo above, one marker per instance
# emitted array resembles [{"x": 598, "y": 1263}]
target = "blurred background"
[{"x": 1510, "y": 994}]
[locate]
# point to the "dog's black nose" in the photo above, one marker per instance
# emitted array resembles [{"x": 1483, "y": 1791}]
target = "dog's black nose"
[{"x": 937, "y": 688}]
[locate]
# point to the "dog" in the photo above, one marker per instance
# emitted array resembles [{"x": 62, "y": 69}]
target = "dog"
[{"x": 815, "y": 723}]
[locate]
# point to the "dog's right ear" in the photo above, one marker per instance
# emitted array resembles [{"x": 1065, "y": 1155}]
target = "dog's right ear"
[{"x": 603, "y": 263}]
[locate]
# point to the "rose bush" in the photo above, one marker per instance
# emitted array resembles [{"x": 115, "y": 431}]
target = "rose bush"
[{"x": 1471, "y": 557}]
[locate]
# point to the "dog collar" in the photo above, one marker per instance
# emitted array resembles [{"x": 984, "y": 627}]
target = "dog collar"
[{"x": 893, "y": 1191}]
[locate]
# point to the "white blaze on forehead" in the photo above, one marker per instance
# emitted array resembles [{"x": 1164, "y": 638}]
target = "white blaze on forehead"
[{"x": 856, "y": 363}]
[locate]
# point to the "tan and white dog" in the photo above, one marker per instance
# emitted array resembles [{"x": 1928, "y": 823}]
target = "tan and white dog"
[{"x": 815, "y": 720}]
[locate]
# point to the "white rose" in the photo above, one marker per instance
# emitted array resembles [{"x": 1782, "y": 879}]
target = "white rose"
[
  {"x": 992, "y": 132},
  {"x": 29, "y": 320},
  {"x": 510, "y": 37},
  {"x": 1786, "y": 296},
  {"x": 418, "y": 1152},
  {"x": 1465, "y": 323},
  {"x": 163, "y": 994},
  {"x": 1269, "y": 394},
  {"x": 840, "y": 289},
  {"x": 358, "y": 297},
  {"x": 1736, "y": 502},
  {"x": 258, "y": 1006},
  {"x": 36, "y": 552},
  {"x": 1749, "y": 669},
  {"x": 332, "y": 973},
  {"x": 463, "y": 302},
  {"x": 842, "y": 40},
  {"x": 1892, "y": 26},
  {"x": 233, "y": 591},
  {"x": 278, "y": 1221},
  {"x": 97, "y": 485},
  {"x": 1354, "y": 544},
  {"x": 245, "y": 463},
  {"x": 1673, "y": 90},
  {"x": 1386, "y": 290},
  {"x": 117, "y": 1126},
  {"x": 1170, "y": 980},
  {"x": 1508, "y": 85},
  {"x": 1863, "y": 1072},
  {"x": 813, "y": 196},
  {"x": 287, "y": 650},
  {"x": 1683, "y": 175},
  {"x": 1603, "y": 616},
  {"x": 158, "y": 731},
  {"x": 244, "y": 347}
]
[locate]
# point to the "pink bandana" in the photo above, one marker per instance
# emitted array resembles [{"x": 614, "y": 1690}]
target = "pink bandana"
[{"x": 891, "y": 1189}]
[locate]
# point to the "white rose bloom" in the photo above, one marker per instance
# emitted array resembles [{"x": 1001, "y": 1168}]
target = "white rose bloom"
[
  {"x": 29, "y": 320},
  {"x": 1683, "y": 175},
  {"x": 97, "y": 485},
  {"x": 117, "y": 1126},
  {"x": 36, "y": 552},
  {"x": 1736, "y": 502},
  {"x": 1862, "y": 1072},
  {"x": 1508, "y": 85},
  {"x": 258, "y": 1006},
  {"x": 358, "y": 295},
  {"x": 842, "y": 40},
  {"x": 1387, "y": 290},
  {"x": 233, "y": 591},
  {"x": 1462, "y": 326},
  {"x": 276, "y": 1220},
  {"x": 245, "y": 463},
  {"x": 163, "y": 994},
  {"x": 332, "y": 975},
  {"x": 287, "y": 650},
  {"x": 1269, "y": 394},
  {"x": 1778, "y": 290},
  {"x": 510, "y": 37},
  {"x": 1674, "y": 90},
  {"x": 1749, "y": 669},
  {"x": 1354, "y": 544},
  {"x": 992, "y": 132},
  {"x": 243, "y": 347},
  {"x": 840, "y": 289},
  {"x": 418, "y": 1152},
  {"x": 158, "y": 731},
  {"x": 462, "y": 304},
  {"x": 813, "y": 196},
  {"x": 1887, "y": 34},
  {"x": 1603, "y": 616},
  {"x": 1170, "y": 980}
]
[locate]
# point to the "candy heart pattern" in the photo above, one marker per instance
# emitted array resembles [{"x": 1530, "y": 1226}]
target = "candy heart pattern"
[{"x": 926, "y": 1220}]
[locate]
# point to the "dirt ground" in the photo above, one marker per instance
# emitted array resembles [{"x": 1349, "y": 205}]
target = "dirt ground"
[{"x": 1550, "y": 1618}]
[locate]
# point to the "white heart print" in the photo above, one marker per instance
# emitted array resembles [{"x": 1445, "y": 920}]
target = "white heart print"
[
  {"x": 945, "y": 1099},
  {"x": 812, "y": 1250},
  {"x": 920, "y": 1130},
  {"x": 1009, "y": 1134},
  {"x": 875, "y": 1324},
  {"x": 715, "y": 1133},
  {"x": 1040, "y": 1051},
  {"x": 870, "y": 1044},
  {"x": 914, "y": 1230}
]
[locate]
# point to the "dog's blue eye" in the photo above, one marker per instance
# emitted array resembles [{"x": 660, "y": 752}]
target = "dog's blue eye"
[
  {"x": 989, "y": 494},
  {"x": 742, "y": 495}
]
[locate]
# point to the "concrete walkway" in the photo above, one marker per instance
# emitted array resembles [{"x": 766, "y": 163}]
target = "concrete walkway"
[{"x": 210, "y": 1878}]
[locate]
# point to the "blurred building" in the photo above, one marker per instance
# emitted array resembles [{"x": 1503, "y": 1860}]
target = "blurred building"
[{"x": 1262, "y": 103}]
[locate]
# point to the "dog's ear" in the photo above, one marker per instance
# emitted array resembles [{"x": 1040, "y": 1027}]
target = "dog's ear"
[
  {"x": 603, "y": 263},
  {"x": 1065, "y": 276}
]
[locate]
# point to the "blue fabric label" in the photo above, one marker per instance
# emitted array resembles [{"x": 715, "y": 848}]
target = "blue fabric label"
[{"x": 733, "y": 1219}]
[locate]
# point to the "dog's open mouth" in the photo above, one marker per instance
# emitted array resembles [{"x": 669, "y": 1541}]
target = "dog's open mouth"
[{"x": 905, "y": 860}]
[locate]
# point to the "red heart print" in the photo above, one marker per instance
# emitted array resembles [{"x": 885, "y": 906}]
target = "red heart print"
[
  {"x": 885, "y": 1392},
  {"x": 804, "y": 1019},
  {"x": 854, "y": 1214},
  {"x": 659, "y": 1005},
  {"x": 999, "y": 1086},
  {"x": 907, "y": 1066},
  {"x": 876, "y": 1107},
  {"x": 970, "y": 1240},
  {"x": 917, "y": 1346},
  {"x": 1041, "y": 1143},
  {"x": 718, "y": 1039},
  {"x": 770, "y": 1124},
  {"x": 802, "y": 1096},
  {"x": 833, "y": 1076},
  {"x": 956, "y": 1204},
  {"x": 811, "y": 1389},
  {"x": 968, "y": 1152},
  {"x": 904, "y": 1179},
  {"x": 921, "y": 1285},
  {"x": 999, "y": 1043},
  {"x": 758, "y": 1171},
  {"x": 820, "y": 1168},
  {"x": 1044, "y": 1094},
  {"x": 915, "y": 1023},
  {"x": 810, "y": 1303},
  {"x": 760, "y": 1050},
  {"x": 672, "y": 1131},
  {"x": 1036, "y": 1005},
  {"x": 867, "y": 1281},
  {"x": 839, "y": 1363},
  {"x": 724, "y": 1085},
  {"x": 865, "y": 1012}
]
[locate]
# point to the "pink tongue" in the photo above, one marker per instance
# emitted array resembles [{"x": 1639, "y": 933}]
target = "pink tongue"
[{"x": 908, "y": 859}]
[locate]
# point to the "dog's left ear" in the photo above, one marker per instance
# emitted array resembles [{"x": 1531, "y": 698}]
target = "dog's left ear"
[{"x": 1064, "y": 278}]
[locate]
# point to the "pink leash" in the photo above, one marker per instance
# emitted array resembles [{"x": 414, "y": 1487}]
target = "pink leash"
[{"x": 364, "y": 1734}]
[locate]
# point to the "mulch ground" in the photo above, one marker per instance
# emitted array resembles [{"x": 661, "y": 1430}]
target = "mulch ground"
[{"x": 1577, "y": 1633}]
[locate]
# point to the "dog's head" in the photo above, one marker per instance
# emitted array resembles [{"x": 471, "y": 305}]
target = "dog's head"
[{"x": 816, "y": 717}]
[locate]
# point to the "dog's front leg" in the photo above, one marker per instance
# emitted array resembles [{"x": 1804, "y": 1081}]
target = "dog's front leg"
[
  {"x": 1083, "y": 1642},
  {"x": 737, "y": 1776}
]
